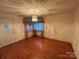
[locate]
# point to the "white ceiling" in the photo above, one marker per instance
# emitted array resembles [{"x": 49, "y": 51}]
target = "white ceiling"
[{"x": 35, "y": 7}]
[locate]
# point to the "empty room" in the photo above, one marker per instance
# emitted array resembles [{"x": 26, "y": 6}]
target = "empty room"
[{"x": 39, "y": 29}]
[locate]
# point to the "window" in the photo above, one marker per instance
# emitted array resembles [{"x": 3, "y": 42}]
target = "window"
[
  {"x": 29, "y": 27},
  {"x": 38, "y": 26},
  {"x": 5, "y": 27}
]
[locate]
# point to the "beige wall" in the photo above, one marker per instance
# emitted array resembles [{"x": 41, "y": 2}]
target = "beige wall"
[
  {"x": 75, "y": 42},
  {"x": 59, "y": 26},
  {"x": 64, "y": 27},
  {"x": 15, "y": 32}
]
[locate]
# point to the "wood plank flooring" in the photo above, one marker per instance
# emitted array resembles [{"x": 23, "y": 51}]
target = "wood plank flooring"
[{"x": 38, "y": 48}]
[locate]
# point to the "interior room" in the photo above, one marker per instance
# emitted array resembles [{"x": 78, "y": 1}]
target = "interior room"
[{"x": 39, "y": 29}]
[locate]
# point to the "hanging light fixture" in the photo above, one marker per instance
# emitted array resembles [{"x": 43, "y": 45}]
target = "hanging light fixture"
[{"x": 34, "y": 18}]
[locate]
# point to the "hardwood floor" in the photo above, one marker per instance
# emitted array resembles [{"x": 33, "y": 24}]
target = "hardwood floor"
[{"x": 37, "y": 48}]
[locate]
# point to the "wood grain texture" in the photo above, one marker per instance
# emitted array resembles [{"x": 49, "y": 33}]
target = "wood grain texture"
[{"x": 38, "y": 48}]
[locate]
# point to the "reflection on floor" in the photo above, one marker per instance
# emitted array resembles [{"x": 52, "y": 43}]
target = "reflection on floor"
[{"x": 38, "y": 48}]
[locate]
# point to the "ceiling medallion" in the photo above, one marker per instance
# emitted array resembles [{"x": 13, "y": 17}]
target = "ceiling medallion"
[
  {"x": 28, "y": 1},
  {"x": 40, "y": 1}
]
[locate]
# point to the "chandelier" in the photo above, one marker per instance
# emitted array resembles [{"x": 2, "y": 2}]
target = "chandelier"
[{"x": 34, "y": 18}]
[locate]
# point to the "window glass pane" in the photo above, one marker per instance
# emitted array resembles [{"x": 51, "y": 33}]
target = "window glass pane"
[
  {"x": 29, "y": 27},
  {"x": 5, "y": 27},
  {"x": 38, "y": 26}
]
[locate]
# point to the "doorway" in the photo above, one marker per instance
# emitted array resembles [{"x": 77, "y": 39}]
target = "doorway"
[{"x": 34, "y": 28}]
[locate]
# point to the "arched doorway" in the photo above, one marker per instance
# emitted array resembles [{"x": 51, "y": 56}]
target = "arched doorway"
[{"x": 34, "y": 28}]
